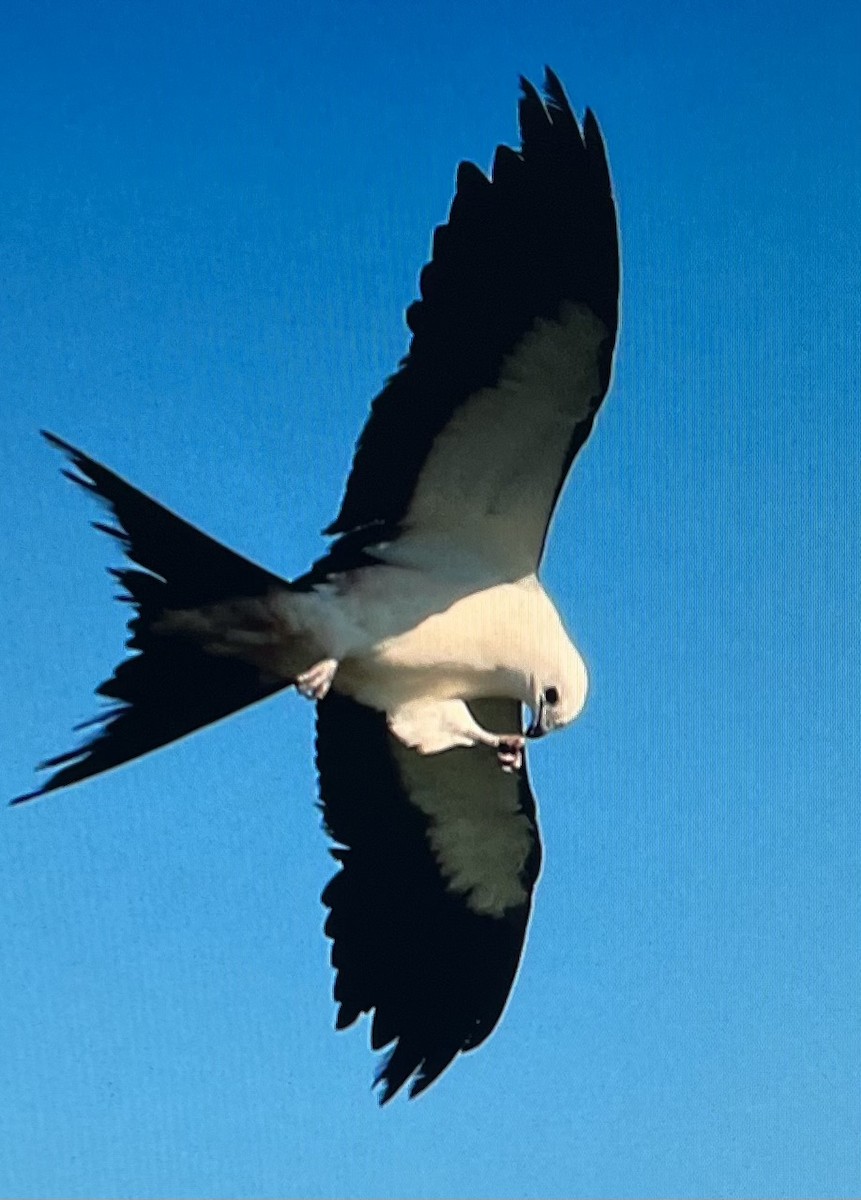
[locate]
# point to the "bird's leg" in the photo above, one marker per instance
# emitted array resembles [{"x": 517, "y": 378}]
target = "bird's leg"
[
  {"x": 431, "y": 726},
  {"x": 316, "y": 681}
]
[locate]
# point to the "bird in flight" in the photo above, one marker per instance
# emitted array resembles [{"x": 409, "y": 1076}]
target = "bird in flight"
[{"x": 423, "y": 633}]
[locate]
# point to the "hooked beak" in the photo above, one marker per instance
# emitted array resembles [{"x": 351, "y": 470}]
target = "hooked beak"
[{"x": 536, "y": 729}]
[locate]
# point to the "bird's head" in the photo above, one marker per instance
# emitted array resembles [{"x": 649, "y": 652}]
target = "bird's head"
[{"x": 558, "y": 691}]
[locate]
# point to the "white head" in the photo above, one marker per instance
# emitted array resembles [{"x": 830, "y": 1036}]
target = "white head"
[{"x": 558, "y": 687}]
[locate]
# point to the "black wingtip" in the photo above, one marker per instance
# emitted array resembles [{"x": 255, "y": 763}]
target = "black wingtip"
[
  {"x": 531, "y": 108},
  {"x": 546, "y": 118},
  {"x": 387, "y": 1090},
  {"x": 387, "y": 1093},
  {"x": 591, "y": 129},
  {"x": 528, "y": 88},
  {"x": 553, "y": 89},
  {"x": 559, "y": 106},
  {"x": 420, "y": 1084},
  {"x": 79, "y": 461},
  {"x": 393, "y": 1072}
]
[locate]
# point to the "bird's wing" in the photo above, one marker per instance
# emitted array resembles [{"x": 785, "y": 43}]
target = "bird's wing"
[
  {"x": 438, "y": 858},
  {"x": 511, "y": 351}
]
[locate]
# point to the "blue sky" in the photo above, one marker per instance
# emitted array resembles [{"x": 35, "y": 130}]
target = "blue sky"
[{"x": 211, "y": 225}]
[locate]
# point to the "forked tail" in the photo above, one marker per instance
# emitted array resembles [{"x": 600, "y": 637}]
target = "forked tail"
[{"x": 171, "y": 685}]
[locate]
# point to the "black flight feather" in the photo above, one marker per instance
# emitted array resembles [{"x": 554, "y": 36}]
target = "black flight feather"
[{"x": 169, "y": 686}]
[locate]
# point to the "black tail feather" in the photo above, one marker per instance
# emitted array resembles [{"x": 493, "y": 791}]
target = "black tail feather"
[{"x": 170, "y": 686}]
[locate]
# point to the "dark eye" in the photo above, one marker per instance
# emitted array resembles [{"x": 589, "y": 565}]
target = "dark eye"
[{"x": 551, "y": 695}]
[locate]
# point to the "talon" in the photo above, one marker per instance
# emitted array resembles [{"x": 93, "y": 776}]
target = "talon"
[
  {"x": 314, "y": 683},
  {"x": 509, "y": 752}
]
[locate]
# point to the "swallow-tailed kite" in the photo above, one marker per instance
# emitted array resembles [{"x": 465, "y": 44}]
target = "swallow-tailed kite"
[{"x": 423, "y": 631}]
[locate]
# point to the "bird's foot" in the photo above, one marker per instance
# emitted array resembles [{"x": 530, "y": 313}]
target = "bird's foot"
[
  {"x": 509, "y": 751},
  {"x": 316, "y": 681}
]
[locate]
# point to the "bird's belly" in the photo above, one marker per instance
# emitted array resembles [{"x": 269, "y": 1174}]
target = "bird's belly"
[{"x": 447, "y": 655}]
